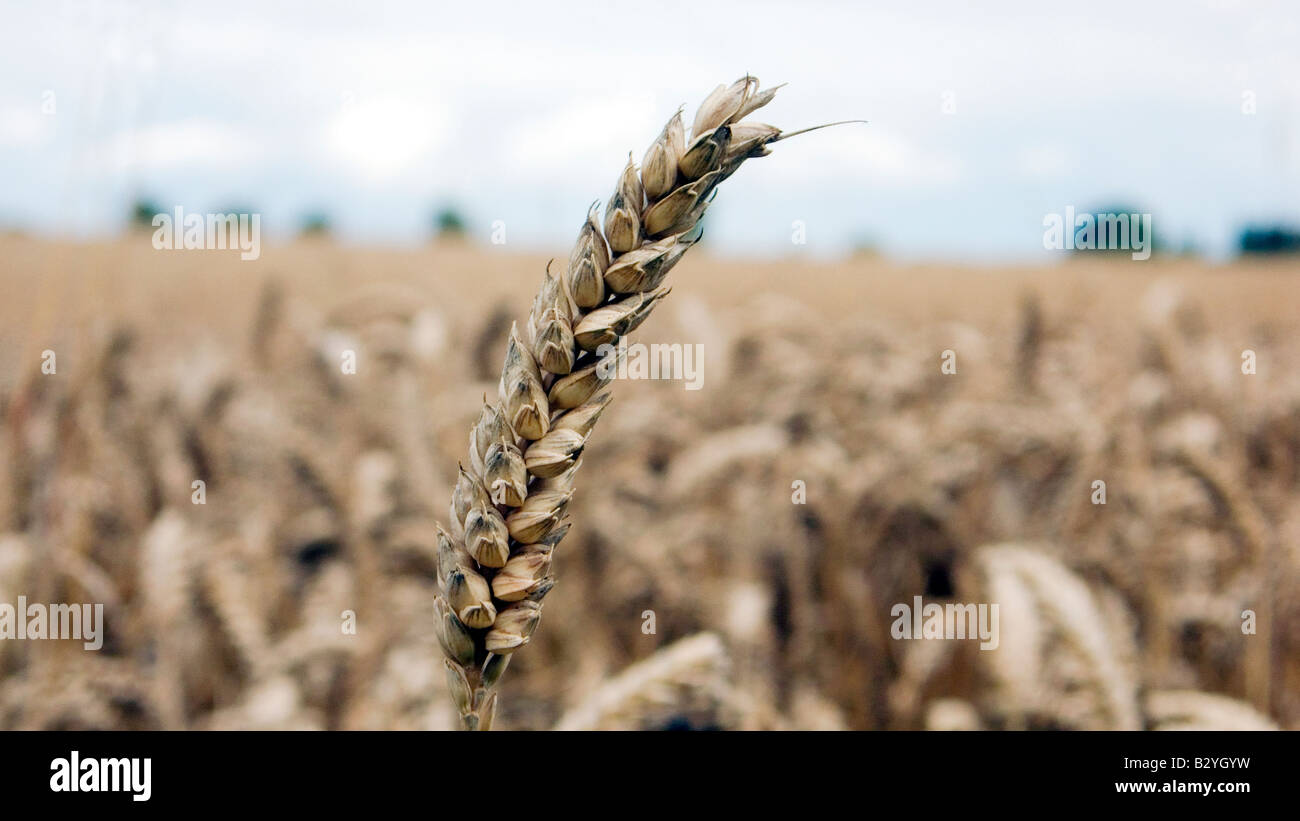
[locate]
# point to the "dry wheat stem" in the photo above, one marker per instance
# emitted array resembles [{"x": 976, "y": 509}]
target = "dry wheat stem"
[
  {"x": 696, "y": 665},
  {"x": 508, "y": 507}
]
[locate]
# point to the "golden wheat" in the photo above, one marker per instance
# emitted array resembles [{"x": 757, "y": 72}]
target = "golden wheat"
[
  {"x": 316, "y": 506},
  {"x": 507, "y": 511},
  {"x": 693, "y": 669}
]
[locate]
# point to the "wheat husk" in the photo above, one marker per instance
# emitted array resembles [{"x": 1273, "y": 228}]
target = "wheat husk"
[{"x": 494, "y": 513}]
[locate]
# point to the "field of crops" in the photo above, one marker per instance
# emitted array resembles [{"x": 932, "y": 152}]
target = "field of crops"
[{"x": 864, "y": 432}]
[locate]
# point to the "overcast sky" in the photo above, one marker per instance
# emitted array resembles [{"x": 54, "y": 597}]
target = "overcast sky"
[{"x": 377, "y": 112}]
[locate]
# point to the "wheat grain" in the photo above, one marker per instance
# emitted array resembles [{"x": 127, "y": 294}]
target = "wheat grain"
[{"x": 504, "y": 525}]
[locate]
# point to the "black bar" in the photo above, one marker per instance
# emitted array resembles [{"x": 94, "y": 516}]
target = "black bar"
[{"x": 242, "y": 770}]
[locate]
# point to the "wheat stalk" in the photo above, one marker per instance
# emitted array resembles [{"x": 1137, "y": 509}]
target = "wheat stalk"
[
  {"x": 507, "y": 510},
  {"x": 1190, "y": 710},
  {"x": 1061, "y": 660},
  {"x": 694, "y": 667}
]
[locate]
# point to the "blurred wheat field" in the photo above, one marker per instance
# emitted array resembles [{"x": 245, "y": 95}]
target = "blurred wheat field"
[
  {"x": 322, "y": 489},
  {"x": 60, "y": 284}
]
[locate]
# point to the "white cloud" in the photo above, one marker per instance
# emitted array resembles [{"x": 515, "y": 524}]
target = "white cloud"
[
  {"x": 561, "y": 144},
  {"x": 378, "y": 140},
  {"x": 869, "y": 153},
  {"x": 184, "y": 144},
  {"x": 21, "y": 126},
  {"x": 1045, "y": 162}
]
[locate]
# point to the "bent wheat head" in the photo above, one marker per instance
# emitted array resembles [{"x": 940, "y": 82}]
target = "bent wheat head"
[{"x": 507, "y": 510}]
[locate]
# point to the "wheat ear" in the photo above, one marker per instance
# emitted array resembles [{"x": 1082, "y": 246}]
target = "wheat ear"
[
  {"x": 694, "y": 667},
  {"x": 508, "y": 506},
  {"x": 1060, "y": 660},
  {"x": 1190, "y": 710}
]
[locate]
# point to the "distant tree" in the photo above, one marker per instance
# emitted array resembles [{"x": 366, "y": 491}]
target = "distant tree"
[
  {"x": 863, "y": 246},
  {"x": 1128, "y": 236},
  {"x": 315, "y": 224},
  {"x": 1269, "y": 239},
  {"x": 143, "y": 211},
  {"x": 449, "y": 222},
  {"x": 235, "y": 208}
]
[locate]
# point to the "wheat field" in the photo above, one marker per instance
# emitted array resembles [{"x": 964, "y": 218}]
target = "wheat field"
[{"x": 323, "y": 489}]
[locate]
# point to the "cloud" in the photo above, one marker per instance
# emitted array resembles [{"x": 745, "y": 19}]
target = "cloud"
[
  {"x": 22, "y": 127},
  {"x": 187, "y": 144},
  {"x": 868, "y": 153},
  {"x": 377, "y": 141},
  {"x": 1045, "y": 162},
  {"x": 561, "y": 144}
]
